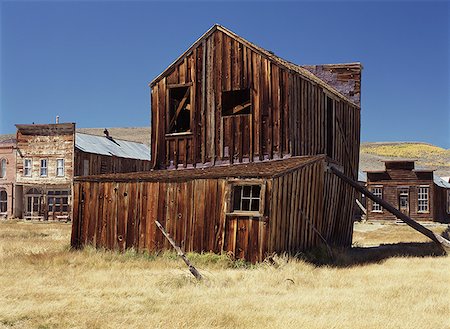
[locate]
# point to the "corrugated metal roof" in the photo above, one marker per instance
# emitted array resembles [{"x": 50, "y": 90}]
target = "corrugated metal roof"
[
  {"x": 267, "y": 169},
  {"x": 440, "y": 182},
  {"x": 112, "y": 147},
  {"x": 362, "y": 176}
]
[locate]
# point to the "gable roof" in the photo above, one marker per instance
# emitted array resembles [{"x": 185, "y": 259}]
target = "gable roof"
[
  {"x": 265, "y": 53},
  {"x": 262, "y": 169},
  {"x": 111, "y": 147}
]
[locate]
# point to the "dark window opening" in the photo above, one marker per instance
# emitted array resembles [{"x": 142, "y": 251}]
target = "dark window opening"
[
  {"x": 236, "y": 102},
  {"x": 3, "y": 201},
  {"x": 247, "y": 198},
  {"x": 329, "y": 103},
  {"x": 179, "y": 110}
]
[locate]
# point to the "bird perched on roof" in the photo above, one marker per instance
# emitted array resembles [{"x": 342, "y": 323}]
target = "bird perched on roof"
[{"x": 106, "y": 132}]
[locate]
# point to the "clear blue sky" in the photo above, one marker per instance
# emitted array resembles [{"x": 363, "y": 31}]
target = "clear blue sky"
[{"x": 90, "y": 62}]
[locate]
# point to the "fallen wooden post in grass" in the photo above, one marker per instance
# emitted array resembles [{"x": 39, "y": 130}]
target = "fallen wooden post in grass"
[
  {"x": 439, "y": 240},
  {"x": 180, "y": 253}
]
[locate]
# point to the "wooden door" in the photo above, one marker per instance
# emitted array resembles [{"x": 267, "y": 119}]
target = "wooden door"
[
  {"x": 403, "y": 200},
  {"x": 246, "y": 237}
]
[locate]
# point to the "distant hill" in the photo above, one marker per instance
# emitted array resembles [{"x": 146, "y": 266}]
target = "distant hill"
[
  {"x": 372, "y": 155},
  {"x": 427, "y": 156}
]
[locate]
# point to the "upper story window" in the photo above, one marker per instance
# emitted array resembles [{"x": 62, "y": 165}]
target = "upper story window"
[
  {"x": 60, "y": 167},
  {"x": 44, "y": 168},
  {"x": 27, "y": 167},
  {"x": 85, "y": 167},
  {"x": 2, "y": 168},
  {"x": 378, "y": 192},
  {"x": 179, "y": 109},
  {"x": 236, "y": 102},
  {"x": 423, "y": 198}
]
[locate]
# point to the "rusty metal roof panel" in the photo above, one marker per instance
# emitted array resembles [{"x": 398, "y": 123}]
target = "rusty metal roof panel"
[
  {"x": 263, "y": 169},
  {"x": 112, "y": 147}
]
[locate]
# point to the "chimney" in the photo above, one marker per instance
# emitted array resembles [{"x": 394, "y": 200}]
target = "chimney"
[
  {"x": 346, "y": 78},
  {"x": 57, "y": 119}
]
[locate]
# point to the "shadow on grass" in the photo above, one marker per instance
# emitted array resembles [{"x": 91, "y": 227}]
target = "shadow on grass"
[{"x": 347, "y": 257}]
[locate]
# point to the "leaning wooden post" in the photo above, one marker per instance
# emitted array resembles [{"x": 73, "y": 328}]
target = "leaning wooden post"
[
  {"x": 439, "y": 240},
  {"x": 180, "y": 253}
]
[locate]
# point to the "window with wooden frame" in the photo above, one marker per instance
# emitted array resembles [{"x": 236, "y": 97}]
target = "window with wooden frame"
[
  {"x": 236, "y": 102},
  {"x": 423, "y": 193},
  {"x": 60, "y": 167},
  {"x": 247, "y": 198},
  {"x": 179, "y": 109},
  {"x": 377, "y": 191},
  {"x": 27, "y": 167},
  {"x": 2, "y": 168},
  {"x": 44, "y": 168},
  {"x": 58, "y": 201},
  {"x": 3, "y": 201}
]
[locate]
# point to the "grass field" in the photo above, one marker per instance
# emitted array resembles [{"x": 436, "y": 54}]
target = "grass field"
[{"x": 402, "y": 284}]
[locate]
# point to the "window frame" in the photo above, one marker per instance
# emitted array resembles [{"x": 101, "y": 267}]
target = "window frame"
[
  {"x": 248, "y": 104},
  {"x": 25, "y": 167},
  {"x": 63, "y": 167},
  {"x": 3, "y": 163},
  {"x": 419, "y": 193},
  {"x": 375, "y": 204},
  {"x": 3, "y": 202},
  {"x": 232, "y": 183},
  {"x": 41, "y": 167},
  {"x": 168, "y": 103}
]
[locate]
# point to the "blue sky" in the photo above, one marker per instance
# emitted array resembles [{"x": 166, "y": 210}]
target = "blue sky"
[{"x": 90, "y": 62}]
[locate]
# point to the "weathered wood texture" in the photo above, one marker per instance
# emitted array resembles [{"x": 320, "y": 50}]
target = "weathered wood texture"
[
  {"x": 401, "y": 176},
  {"x": 288, "y": 110},
  {"x": 104, "y": 164},
  {"x": 196, "y": 212}
]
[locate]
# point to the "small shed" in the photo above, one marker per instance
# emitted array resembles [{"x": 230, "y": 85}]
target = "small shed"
[{"x": 249, "y": 210}]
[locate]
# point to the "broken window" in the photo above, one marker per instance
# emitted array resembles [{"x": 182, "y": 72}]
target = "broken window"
[
  {"x": 247, "y": 198},
  {"x": 179, "y": 109},
  {"x": 236, "y": 102}
]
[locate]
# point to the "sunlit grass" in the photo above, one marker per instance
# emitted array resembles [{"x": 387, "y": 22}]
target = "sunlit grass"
[
  {"x": 405, "y": 150},
  {"x": 45, "y": 285}
]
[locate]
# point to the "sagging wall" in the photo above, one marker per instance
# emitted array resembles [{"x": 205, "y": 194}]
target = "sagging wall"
[
  {"x": 93, "y": 164},
  {"x": 120, "y": 215},
  {"x": 288, "y": 114}
]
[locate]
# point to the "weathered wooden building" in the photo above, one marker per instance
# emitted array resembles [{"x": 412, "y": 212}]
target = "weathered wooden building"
[
  {"x": 241, "y": 140},
  {"x": 49, "y": 156},
  {"x": 417, "y": 193},
  {"x": 7, "y": 177}
]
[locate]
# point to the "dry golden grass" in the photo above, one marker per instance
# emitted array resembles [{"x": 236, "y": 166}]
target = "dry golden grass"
[{"x": 45, "y": 285}]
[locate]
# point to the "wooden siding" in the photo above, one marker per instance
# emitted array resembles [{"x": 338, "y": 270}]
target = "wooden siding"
[
  {"x": 104, "y": 164},
  {"x": 288, "y": 114},
  {"x": 196, "y": 212},
  {"x": 392, "y": 180}
]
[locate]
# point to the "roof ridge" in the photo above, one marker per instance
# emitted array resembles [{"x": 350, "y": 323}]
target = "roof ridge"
[{"x": 119, "y": 139}]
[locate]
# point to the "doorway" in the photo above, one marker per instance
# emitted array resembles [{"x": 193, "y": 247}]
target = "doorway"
[{"x": 403, "y": 200}]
